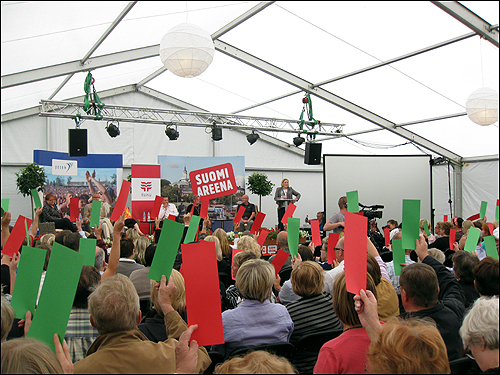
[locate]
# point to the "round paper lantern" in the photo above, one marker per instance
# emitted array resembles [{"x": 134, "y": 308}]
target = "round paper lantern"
[
  {"x": 482, "y": 106},
  {"x": 187, "y": 50}
]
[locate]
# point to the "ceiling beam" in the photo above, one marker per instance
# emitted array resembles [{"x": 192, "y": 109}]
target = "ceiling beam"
[
  {"x": 469, "y": 19},
  {"x": 332, "y": 98}
]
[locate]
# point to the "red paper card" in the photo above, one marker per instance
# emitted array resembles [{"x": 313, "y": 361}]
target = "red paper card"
[
  {"x": 490, "y": 227},
  {"x": 333, "y": 238},
  {"x": 257, "y": 223},
  {"x": 387, "y": 236},
  {"x": 278, "y": 261},
  {"x": 121, "y": 201},
  {"x": 355, "y": 244},
  {"x": 316, "y": 236},
  {"x": 288, "y": 213},
  {"x": 18, "y": 234},
  {"x": 473, "y": 217},
  {"x": 445, "y": 218},
  {"x": 74, "y": 209},
  {"x": 204, "y": 207},
  {"x": 194, "y": 204},
  {"x": 239, "y": 214},
  {"x": 199, "y": 262},
  {"x": 156, "y": 207},
  {"x": 262, "y": 237},
  {"x": 171, "y": 217},
  {"x": 453, "y": 232},
  {"x": 235, "y": 251}
]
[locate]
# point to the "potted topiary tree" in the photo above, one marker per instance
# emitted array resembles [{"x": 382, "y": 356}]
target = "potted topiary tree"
[
  {"x": 31, "y": 177},
  {"x": 258, "y": 183}
]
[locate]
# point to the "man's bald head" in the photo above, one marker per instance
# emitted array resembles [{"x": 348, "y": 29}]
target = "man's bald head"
[{"x": 282, "y": 239}]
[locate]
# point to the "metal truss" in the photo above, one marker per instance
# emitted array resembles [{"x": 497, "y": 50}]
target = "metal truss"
[{"x": 72, "y": 110}]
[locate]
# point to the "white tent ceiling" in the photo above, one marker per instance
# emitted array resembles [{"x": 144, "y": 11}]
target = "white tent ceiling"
[{"x": 316, "y": 41}]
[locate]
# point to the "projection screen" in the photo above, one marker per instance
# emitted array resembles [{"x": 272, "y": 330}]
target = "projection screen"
[{"x": 379, "y": 180}]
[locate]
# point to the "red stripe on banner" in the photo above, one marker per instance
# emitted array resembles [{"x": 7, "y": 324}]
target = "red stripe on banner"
[
  {"x": 121, "y": 201},
  {"x": 74, "y": 209},
  {"x": 473, "y": 217},
  {"x": 453, "y": 232},
  {"x": 156, "y": 207},
  {"x": 333, "y": 238},
  {"x": 16, "y": 237},
  {"x": 204, "y": 207},
  {"x": 146, "y": 171},
  {"x": 262, "y": 237},
  {"x": 279, "y": 260},
  {"x": 316, "y": 236},
  {"x": 257, "y": 223},
  {"x": 288, "y": 213},
  {"x": 387, "y": 236},
  {"x": 239, "y": 214},
  {"x": 235, "y": 251},
  {"x": 203, "y": 299}
]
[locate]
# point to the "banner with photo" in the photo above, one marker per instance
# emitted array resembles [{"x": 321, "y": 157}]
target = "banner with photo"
[
  {"x": 176, "y": 183},
  {"x": 80, "y": 177}
]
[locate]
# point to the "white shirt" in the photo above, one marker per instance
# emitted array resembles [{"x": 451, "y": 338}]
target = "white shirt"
[
  {"x": 333, "y": 275},
  {"x": 165, "y": 212}
]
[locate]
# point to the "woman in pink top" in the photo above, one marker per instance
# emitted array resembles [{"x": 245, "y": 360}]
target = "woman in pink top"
[{"x": 345, "y": 354}]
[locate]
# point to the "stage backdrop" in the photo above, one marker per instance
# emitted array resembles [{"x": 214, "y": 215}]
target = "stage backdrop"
[
  {"x": 177, "y": 185},
  {"x": 145, "y": 187},
  {"x": 80, "y": 176}
]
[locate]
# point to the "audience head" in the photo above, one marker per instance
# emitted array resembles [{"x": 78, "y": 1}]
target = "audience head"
[
  {"x": 446, "y": 226},
  {"x": 255, "y": 279},
  {"x": 114, "y": 305},
  {"x": 373, "y": 269},
  {"x": 466, "y": 226},
  {"x": 480, "y": 333},
  {"x": 339, "y": 250},
  {"x": 249, "y": 244},
  {"x": 72, "y": 241},
  {"x": 438, "y": 229},
  {"x": 419, "y": 285},
  {"x": 132, "y": 233},
  {"x": 179, "y": 300},
  {"x": 437, "y": 254},
  {"x": 7, "y": 318},
  {"x": 218, "y": 249},
  {"x": 422, "y": 224},
  {"x": 282, "y": 239},
  {"x": 140, "y": 248},
  {"x": 48, "y": 238},
  {"x": 240, "y": 258},
  {"x": 486, "y": 277},
  {"x": 343, "y": 301},
  {"x": 342, "y": 202},
  {"x": 324, "y": 249},
  {"x": 463, "y": 266},
  {"x": 392, "y": 224},
  {"x": 149, "y": 254},
  {"x": 478, "y": 224},
  {"x": 307, "y": 279},
  {"x": 99, "y": 258},
  {"x": 457, "y": 222},
  {"x": 126, "y": 248},
  {"x": 28, "y": 356},
  {"x": 89, "y": 279},
  {"x": 256, "y": 362},
  {"x": 224, "y": 242},
  {"x": 305, "y": 253},
  {"x": 412, "y": 346},
  {"x": 247, "y": 233},
  {"x": 60, "y": 236}
]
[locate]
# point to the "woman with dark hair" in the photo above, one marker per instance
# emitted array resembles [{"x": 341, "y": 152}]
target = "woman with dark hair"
[{"x": 50, "y": 213}]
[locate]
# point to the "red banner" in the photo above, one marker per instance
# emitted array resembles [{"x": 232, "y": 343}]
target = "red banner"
[{"x": 214, "y": 182}]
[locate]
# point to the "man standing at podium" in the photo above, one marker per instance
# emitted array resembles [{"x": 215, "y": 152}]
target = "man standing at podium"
[{"x": 284, "y": 196}]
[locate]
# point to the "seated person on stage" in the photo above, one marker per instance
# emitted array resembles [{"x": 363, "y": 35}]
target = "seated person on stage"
[
  {"x": 167, "y": 209},
  {"x": 321, "y": 219},
  {"x": 249, "y": 214},
  {"x": 122, "y": 348},
  {"x": 50, "y": 213}
]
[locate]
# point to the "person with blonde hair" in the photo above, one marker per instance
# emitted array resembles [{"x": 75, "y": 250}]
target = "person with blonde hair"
[
  {"x": 247, "y": 243},
  {"x": 140, "y": 245},
  {"x": 256, "y": 321},
  {"x": 48, "y": 238},
  {"x": 7, "y": 318},
  {"x": 221, "y": 234},
  {"x": 480, "y": 333},
  {"x": 132, "y": 233},
  {"x": 422, "y": 224},
  {"x": 232, "y": 294},
  {"x": 153, "y": 324},
  {"x": 283, "y": 196},
  {"x": 256, "y": 362}
]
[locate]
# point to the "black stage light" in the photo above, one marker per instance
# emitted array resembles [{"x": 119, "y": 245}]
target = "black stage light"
[
  {"x": 172, "y": 133},
  {"x": 216, "y": 133},
  {"x": 113, "y": 129},
  {"x": 297, "y": 141},
  {"x": 252, "y": 138}
]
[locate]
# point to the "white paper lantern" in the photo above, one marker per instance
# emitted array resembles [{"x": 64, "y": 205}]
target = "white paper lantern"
[
  {"x": 482, "y": 106},
  {"x": 187, "y": 50}
]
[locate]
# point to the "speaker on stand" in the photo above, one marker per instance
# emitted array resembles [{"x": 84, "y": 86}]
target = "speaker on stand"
[
  {"x": 77, "y": 142},
  {"x": 313, "y": 153}
]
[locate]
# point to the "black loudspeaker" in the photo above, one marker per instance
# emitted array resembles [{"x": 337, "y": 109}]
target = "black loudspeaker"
[
  {"x": 313, "y": 153},
  {"x": 77, "y": 142}
]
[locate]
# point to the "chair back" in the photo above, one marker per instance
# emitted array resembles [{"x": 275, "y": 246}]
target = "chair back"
[
  {"x": 284, "y": 349},
  {"x": 47, "y": 227},
  {"x": 464, "y": 365},
  {"x": 313, "y": 342}
]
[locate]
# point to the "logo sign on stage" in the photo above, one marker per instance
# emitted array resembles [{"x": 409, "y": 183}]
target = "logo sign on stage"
[
  {"x": 214, "y": 182},
  {"x": 64, "y": 167}
]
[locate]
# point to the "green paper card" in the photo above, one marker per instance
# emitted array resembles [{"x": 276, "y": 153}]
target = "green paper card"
[
  {"x": 472, "y": 239},
  {"x": 482, "y": 211},
  {"x": 36, "y": 198},
  {"x": 411, "y": 221},
  {"x": 29, "y": 273},
  {"x": 166, "y": 250},
  {"x": 5, "y": 205},
  {"x": 87, "y": 248},
  {"x": 489, "y": 244},
  {"x": 426, "y": 229},
  {"x": 293, "y": 235},
  {"x": 497, "y": 212},
  {"x": 352, "y": 201},
  {"x": 27, "y": 233},
  {"x": 398, "y": 256},
  {"x": 58, "y": 293},
  {"x": 96, "y": 213},
  {"x": 193, "y": 228}
]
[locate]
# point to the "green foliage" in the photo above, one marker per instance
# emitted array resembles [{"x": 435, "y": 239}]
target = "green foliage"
[
  {"x": 258, "y": 183},
  {"x": 31, "y": 177},
  {"x": 173, "y": 192}
]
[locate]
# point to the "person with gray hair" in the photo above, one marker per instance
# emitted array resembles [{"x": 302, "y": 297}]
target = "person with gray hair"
[
  {"x": 480, "y": 333},
  {"x": 122, "y": 348},
  {"x": 99, "y": 259}
]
